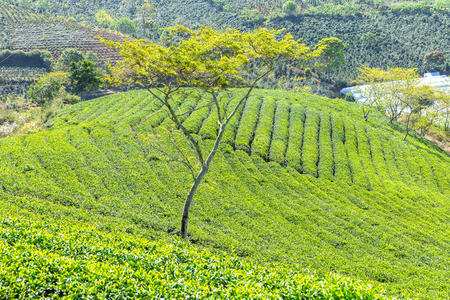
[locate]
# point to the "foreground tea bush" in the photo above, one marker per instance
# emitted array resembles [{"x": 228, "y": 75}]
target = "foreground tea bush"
[{"x": 52, "y": 260}]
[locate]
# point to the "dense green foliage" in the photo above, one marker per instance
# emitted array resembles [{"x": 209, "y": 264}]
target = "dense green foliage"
[
  {"x": 62, "y": 258},
  {"x": 84, "y": 76},
  {"x": 378, "y": 37},
  {"x": 31, "y": 59},
  {"x": 320, "y": 188},
  {"x": 21, "y": 29}
]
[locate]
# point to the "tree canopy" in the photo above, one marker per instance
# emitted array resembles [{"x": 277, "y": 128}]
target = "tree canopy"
[{"x": 207, "y": 59}]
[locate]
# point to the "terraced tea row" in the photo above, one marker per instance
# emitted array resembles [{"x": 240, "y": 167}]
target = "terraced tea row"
[
  {"x": 98, "y": 158},
  {"x": 310, "y": 134}
]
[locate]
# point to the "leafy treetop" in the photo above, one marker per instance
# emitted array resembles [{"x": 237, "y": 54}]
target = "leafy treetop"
[{"x": 205, "y": 58}]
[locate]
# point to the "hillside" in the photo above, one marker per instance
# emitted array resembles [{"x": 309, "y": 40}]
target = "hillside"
[
  {"x": 378, "y": 35},
  {"x": 21, "y": 29},
  {"x": 300, "y": 180}
]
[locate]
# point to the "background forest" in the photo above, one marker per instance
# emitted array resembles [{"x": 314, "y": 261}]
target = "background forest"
[{"x": 378, "y": 33}]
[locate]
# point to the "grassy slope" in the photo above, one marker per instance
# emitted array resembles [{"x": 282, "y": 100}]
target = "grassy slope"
[{"x": 321, "y": 188}]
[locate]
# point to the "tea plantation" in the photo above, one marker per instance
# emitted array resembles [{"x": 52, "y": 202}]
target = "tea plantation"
[{"x": 300, "y": 182}]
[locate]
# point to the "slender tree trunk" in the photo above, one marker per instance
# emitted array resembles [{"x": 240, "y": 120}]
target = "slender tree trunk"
[
  {"x": 407, "y": 126},
  {"x": 188, "y": 202},
  {"x": 198, "y": 180},
  {"x": 366, "y": 114}
]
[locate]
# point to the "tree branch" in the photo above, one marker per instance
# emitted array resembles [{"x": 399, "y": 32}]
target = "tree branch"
[
  {"x": 245, "y": 97},
  {"x": 178, "y": 123},
  {"x": 192, "y": 110}
]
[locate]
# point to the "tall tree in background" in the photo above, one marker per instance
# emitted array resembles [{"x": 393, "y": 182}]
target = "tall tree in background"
[
  {"x": 332, "y": 53},
  {"x": 103, "y": 19},
  {"x": 289, "y": 7},
  {"x": 417, "y": 99},
  {"x": 211, "y": 61},
  {"x": 145, "y": 13},
  {"x": 84, "y": 76}
]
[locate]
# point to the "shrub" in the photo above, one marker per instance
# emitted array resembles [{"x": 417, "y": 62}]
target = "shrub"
[
  {"x": 248, "y": 123},
  {"x": 84, "y": 76},
  {"x": 280, "y": 132},
  {"x": 289, "y": 7},
  {"x": 7, "y": 116},
  {"x": 261, "y": 142},
  {"x": 103, "y": 19},
  {"x": 46, "y": 89},
  {"x": 70, "y": 99},
  {"x": 124, "y": 25},
  {"x": 68, "y": 56},
  {"x": 296, "y": 122},
  {"x": 326, "y": 160},
  {"x": 349, "y": 98},
  {"x": 31, "y": 59},
  {"x": 310, "y": 151}
]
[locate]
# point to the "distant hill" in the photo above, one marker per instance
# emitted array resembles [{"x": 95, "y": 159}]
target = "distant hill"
[
  {"x": 22, "y": 30},
  {"x": 300, "y": 180},
  {"x": 378, "y": 35}
]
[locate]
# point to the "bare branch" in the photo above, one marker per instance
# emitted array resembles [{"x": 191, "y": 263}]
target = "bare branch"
[
  {"x": 192, "y": 110},
  {"x": 217, "y": 104},
  {"x": 178, "y": 123},
  {"x": 170, "y": 158},
  {"x": 245, "y": 97}
]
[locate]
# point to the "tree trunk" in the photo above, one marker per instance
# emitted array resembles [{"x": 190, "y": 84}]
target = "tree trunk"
[
  {"x": 188, "y": 202},
  {"x": 407, "y": 126},
  {"x": 366, "y": 114},
  {"x": 197, "y": 181}
]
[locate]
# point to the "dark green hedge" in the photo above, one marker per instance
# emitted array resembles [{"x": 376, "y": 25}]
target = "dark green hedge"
[{"x": 32, "y": 59}]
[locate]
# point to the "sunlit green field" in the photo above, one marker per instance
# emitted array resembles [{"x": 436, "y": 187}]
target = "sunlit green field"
[{"x": 299, "y": 182}]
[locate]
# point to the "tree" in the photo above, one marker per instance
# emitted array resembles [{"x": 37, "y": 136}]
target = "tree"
[
  {"x": 145, "y": 12},
  {"x": 68, "y": 56},
  {"x": 84, "y": 76},
  {"x": 211, "y": 61},
  {"x": 124, "y": 25},
  {"x": 103, "y": 19},
  {"x": 416, "y": 99},
  {"x": 433, "y": 61},
  {"x": 331, "y": 53},
  {"x": 289, "y": 7},
  {"x": 437, "y": 113},
  {"x": 384, "y": 89},
  {"x": 50, "y": 86}
]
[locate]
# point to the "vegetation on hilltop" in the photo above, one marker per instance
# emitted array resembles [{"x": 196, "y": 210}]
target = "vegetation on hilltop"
[
  {"x": 24, "y": 30},
  {"x": 300, "y": 179},
  {"x": 377, "y": 37}
]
